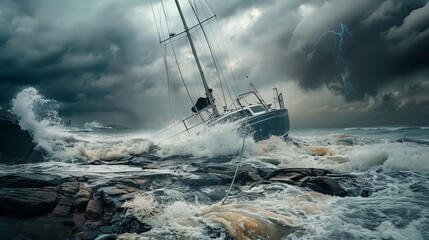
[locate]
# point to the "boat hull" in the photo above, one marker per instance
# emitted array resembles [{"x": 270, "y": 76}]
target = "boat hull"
[{"x": 273, "y": 123}]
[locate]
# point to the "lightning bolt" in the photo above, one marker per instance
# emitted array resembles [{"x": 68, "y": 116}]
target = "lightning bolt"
[
  {"x": 382, "y": 6},
  {"x": 344, "y": 31}
]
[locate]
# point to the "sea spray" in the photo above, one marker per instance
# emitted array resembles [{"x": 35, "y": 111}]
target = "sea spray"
[
  {"x": 40, "y": 117},
  {"x": 216, "y": 141}
]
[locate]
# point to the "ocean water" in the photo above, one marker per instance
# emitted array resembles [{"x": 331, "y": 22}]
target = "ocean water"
[{"x": 392, "y": 163}]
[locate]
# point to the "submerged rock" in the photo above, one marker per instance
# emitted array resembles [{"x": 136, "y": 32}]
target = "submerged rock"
[{"x": 318, "y": 180}]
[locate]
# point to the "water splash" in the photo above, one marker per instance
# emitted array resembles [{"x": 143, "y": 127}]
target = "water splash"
[{"x": 39, "y": 116}]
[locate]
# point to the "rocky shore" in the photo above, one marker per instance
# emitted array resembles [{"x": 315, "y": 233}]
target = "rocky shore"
[{"x": 43, "y": 206}]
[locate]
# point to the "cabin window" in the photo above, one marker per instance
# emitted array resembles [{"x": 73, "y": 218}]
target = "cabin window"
[
  {"x": 235, "y": 116},
  {"x": 257, "y": 109}
]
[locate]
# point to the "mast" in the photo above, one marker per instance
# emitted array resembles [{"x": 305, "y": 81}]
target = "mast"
[{"x": 200, "y": 69}]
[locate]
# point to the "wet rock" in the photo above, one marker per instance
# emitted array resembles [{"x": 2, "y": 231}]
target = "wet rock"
[
  {"x": 82, "y": 197},
  {"x": 326, "y": 185},
  {"x": 201, "y": 179},
  {"x": 318, "y": 180},
  {"x": 64, "y": 206},
  {"x": 106, "y": 229},
  {"x": 116, "y": 228},
  {"x": 22, "y": 237},
  {"x": 88, "y": 235},
  {"x": 69, "y": 188},
  {"x": 16, "y": 145},
  {"x": 68, "y": 223},
  {"x": 27, "y": 201},
  {"x": 106, "y": 237},
  {"x": 216, "y": 233},
  {"x": 113, "y": 191},
  {"x": 246, "y": 173},
  {"x": 94, "y": 209},
  {"x": 131, "y": 225},
  {"x": 29, "y": 180}
]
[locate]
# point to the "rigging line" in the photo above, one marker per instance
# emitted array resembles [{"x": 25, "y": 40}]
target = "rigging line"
[
  {"x": 223, "y": 78},
  {"x": 165, "y": 60},
  {"x": 166, "y": 17},
  {"x": 160, "y": 21},
  {"x": 168, "y": 80},
  {"x": 208, "y": 7},
  {"x": 210, "y": 49},
  {"x": 175, "y": 57},
  {"x": 224, "y": 46},
  {"x": 156, "y": 22},
  {"x": 226, "y": 84},
  {"x": 183, "y": 80},
  {"x": 229, "y": 70},
  {"x": 225, "y": 72}
]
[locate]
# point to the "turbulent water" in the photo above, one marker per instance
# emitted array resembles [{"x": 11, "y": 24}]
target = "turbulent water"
[{"x": 391, "y": 162}]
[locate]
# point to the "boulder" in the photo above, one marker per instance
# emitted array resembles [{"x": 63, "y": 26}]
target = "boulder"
[
  {"x": 318, "y": 180},
  {"x": 94, "y": 210},
  {"x": 27, "y": 202},
  {"x": 16, "y": 145},
  {"x": 83, "y": 197},
  {"x": 64, "y": 206}
]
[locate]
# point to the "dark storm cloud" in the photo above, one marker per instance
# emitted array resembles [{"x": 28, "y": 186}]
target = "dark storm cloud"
[
  {"x": 101, "y": 59},
  {"x": 88, "y": 55},
  {"x": 382, "y": 46}
]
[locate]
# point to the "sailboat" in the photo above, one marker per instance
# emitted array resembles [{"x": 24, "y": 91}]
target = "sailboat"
[{"x": 253, "y": 117}]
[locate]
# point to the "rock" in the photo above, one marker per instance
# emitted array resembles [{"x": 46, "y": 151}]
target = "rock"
[
  {"x": 106, "y": 237},
  {"x": 326, "y": 185},
  {"x": 113, "y": 191},
  {"x": 81, "y": 203},
  {"x": 68, "y": 223},
  {"x": 116, "y": 228},
  {"x": 94, "y": 209},
  {"x": 131, "y": 225},
  {"x": 318, "y": 180},
  {"x": 29, "y": 180},
  {"x": 83, "y": 197},
  {"x": 22, "y": 237},
  {"x": 64, "y": 206},
  {"x": 16, "y": 145},
  {"x": 38, "y": 228},
  {"x": 27, "y": 202},
  {"x": 69, "y": 188},
  {"x": 106, "y": 229},
  {"x": 87, "y": 235}
]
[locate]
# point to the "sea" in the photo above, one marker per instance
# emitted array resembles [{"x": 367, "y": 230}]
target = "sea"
[{"x": 392, "y": 163}]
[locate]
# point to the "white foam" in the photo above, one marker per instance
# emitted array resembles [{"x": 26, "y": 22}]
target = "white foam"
[
  {"x": 242, "y": 219},
  {"x": 391, "y": 156},
  {"x": 93, "y": 124},
  {"x": 215, "y": 141},
  {"x": 363, "y": 160}
]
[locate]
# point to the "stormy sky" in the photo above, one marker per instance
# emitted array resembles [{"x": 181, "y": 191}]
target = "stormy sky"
[{"x": 339, "y": 63}]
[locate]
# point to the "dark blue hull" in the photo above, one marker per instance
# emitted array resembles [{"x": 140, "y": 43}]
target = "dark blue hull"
[{"x": 273, "y": 123}]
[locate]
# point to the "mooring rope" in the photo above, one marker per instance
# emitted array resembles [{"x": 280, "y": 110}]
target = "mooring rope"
[{"x": 237, "y": 167}]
